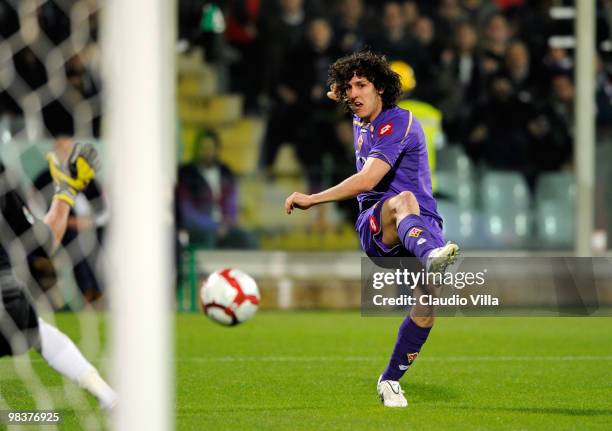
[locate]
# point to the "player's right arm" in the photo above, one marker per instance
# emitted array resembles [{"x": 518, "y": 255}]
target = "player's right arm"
[
  {"x": 333, "y": 93},
  {"x": 363, "y": 181}
]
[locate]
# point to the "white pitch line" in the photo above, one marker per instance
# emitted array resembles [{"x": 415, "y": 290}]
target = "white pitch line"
[
  {"x": 381, "y": 358},
  {"x": 373, "y": 359}
]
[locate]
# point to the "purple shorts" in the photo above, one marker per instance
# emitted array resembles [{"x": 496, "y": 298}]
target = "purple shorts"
[{"x": 369, "y": 228}]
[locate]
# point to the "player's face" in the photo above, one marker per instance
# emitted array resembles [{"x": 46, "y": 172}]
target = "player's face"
[{"x": 364, "y": 98}]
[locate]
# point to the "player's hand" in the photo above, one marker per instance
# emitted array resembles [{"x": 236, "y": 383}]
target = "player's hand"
[
  {"x": 298, "y": 200},
  {"x": 73, "y": 175},
  {"x": 333, "y": 93}
]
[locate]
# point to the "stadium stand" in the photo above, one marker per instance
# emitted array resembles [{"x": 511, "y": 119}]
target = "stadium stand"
[{"x": 454, "y": 72}]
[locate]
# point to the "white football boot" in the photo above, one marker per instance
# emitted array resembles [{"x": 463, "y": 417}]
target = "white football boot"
[
  {"x": 440, "y": 258},
  {"x": 390, "y": 393}
]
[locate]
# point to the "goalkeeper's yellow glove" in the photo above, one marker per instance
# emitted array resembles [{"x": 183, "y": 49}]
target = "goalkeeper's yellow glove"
[{"x": 73, "y": 175}]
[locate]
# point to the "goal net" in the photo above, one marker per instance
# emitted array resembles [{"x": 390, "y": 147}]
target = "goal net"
[{"x": 99, "y": 72}]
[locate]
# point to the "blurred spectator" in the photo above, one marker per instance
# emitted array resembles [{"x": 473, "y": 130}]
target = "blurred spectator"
[
  {"x": 424, "y": 31},
  {"x": 411, "y": 12},
  {"x": 85, "y": 228},
  {"x": 497, "y": 36},
  {"x": 449, "y": 15},
  {"x": 557, "y": 61},
  {"x": 535, "y": 26},
  {"x": 460, "y": 81},
  {"x": 507, "y": 4},
  {"x": 189, "y": 15},
  {"x": 562, "y": 99},
  {"x": 78, "y": 109},
  {"x": 284, "y": 112},
  {"x": 209, "y": 34},
  {"x": 394, "y": 39},
  {"x": 348, "y": 25},
  {"x": 551, "y": 144},
  {"x": 305, "y": 74},
  {"x": 479, "y": 11},
  {"x": 243, "y": 34},
  {"x": 207, "y": 199},
  {"x": 281, "y": 33},
  {"x": 497, "y": 132},
  {"x": 304, "y": 87},
  {"x": 525, "y": 81},
  {"x": 510, "y": 132},
  {"x": 603, "y": 95},
  {"x": 426, "y": 65}
]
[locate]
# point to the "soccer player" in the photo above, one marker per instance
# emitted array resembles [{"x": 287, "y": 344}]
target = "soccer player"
[
  {"x": 20, "y": 327},
  {"x": 398, "y": 214}
]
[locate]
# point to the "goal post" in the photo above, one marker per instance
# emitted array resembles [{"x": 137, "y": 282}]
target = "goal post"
[{"x": 139, "y": 75}]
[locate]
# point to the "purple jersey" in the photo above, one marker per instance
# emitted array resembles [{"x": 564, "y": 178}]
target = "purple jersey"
[{"x": 397, "y": 138}]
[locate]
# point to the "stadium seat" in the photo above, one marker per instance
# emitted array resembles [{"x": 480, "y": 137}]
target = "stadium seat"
[
  {"x": 506, "y": 208},
  {"x": 555, "y": 209},
  {"x": 459, "y": 189},
  {"x": 250, "y": 192},
  {"x": 604, "y": 182},
  {"x": 270, "y": 214},
  {"x": 461, "y": 225},
  {"x": 504, "y": 189},
  {"x": 556, "y": 186},
  {"x": 203, "y": 83},
  {"x": 454, "y": 160},
  {"x": 286, "y": 162},
  {"x": 213, "y": 111},
  {"x": 555, "y": 224},
  {"x": 241, "y": 144},
  {"x": 195, "y": 77}
]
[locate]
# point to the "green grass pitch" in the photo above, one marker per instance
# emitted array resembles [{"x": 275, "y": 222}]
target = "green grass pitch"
[{"x": 318, "y": 371}]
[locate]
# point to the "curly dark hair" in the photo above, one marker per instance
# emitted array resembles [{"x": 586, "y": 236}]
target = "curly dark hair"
[{"x": 374, "y": 68}]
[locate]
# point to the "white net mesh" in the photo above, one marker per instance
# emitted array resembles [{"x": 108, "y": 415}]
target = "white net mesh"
[
  {"x": 49, "y": 69},
  {"x": 50, "y": 97}
]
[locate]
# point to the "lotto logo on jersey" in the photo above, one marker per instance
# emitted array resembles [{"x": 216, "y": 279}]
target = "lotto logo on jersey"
[
  {"x": 359, "y": 142},
  {"x": 415, "y": 232},
  {"x": 385, "y": 129},
  {"x": 412, "y": 357},
  {"x": 374, "y": 226}
]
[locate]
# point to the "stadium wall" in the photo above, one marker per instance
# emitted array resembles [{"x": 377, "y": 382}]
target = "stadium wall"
[{"x": 332, "y": 280}]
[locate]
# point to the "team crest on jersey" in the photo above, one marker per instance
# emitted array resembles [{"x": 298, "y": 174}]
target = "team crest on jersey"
[
  {"x": 359, "y": 142},
  {"x": 415, "y": 232},
  {"x": 385, "y": 129},
  {"x": 374, "y": 226},
  {"x": 412, "y": 357}
]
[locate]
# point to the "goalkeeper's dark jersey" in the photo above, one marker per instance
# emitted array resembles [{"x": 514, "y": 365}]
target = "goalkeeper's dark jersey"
[
  {"x": 16, "y": 219},
  {"x": 17, "y": 224}
]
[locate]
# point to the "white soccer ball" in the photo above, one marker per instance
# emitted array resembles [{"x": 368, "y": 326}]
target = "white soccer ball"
[{"x": 230, "y": 296}]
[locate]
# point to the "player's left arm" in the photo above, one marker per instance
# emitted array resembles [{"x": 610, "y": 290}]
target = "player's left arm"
[
  {"x": 363, "y": 181},
  {"x": 69, "y": 178},
  {"x": 56, "y": 220}
]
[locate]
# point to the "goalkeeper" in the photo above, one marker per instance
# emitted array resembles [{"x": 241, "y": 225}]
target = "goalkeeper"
[{"x": 20, "y": 327}]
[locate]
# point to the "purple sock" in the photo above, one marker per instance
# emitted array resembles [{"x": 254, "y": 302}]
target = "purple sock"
[
  {"x": 410, "y": 339},
  {"x": 414, "y": 234}
]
